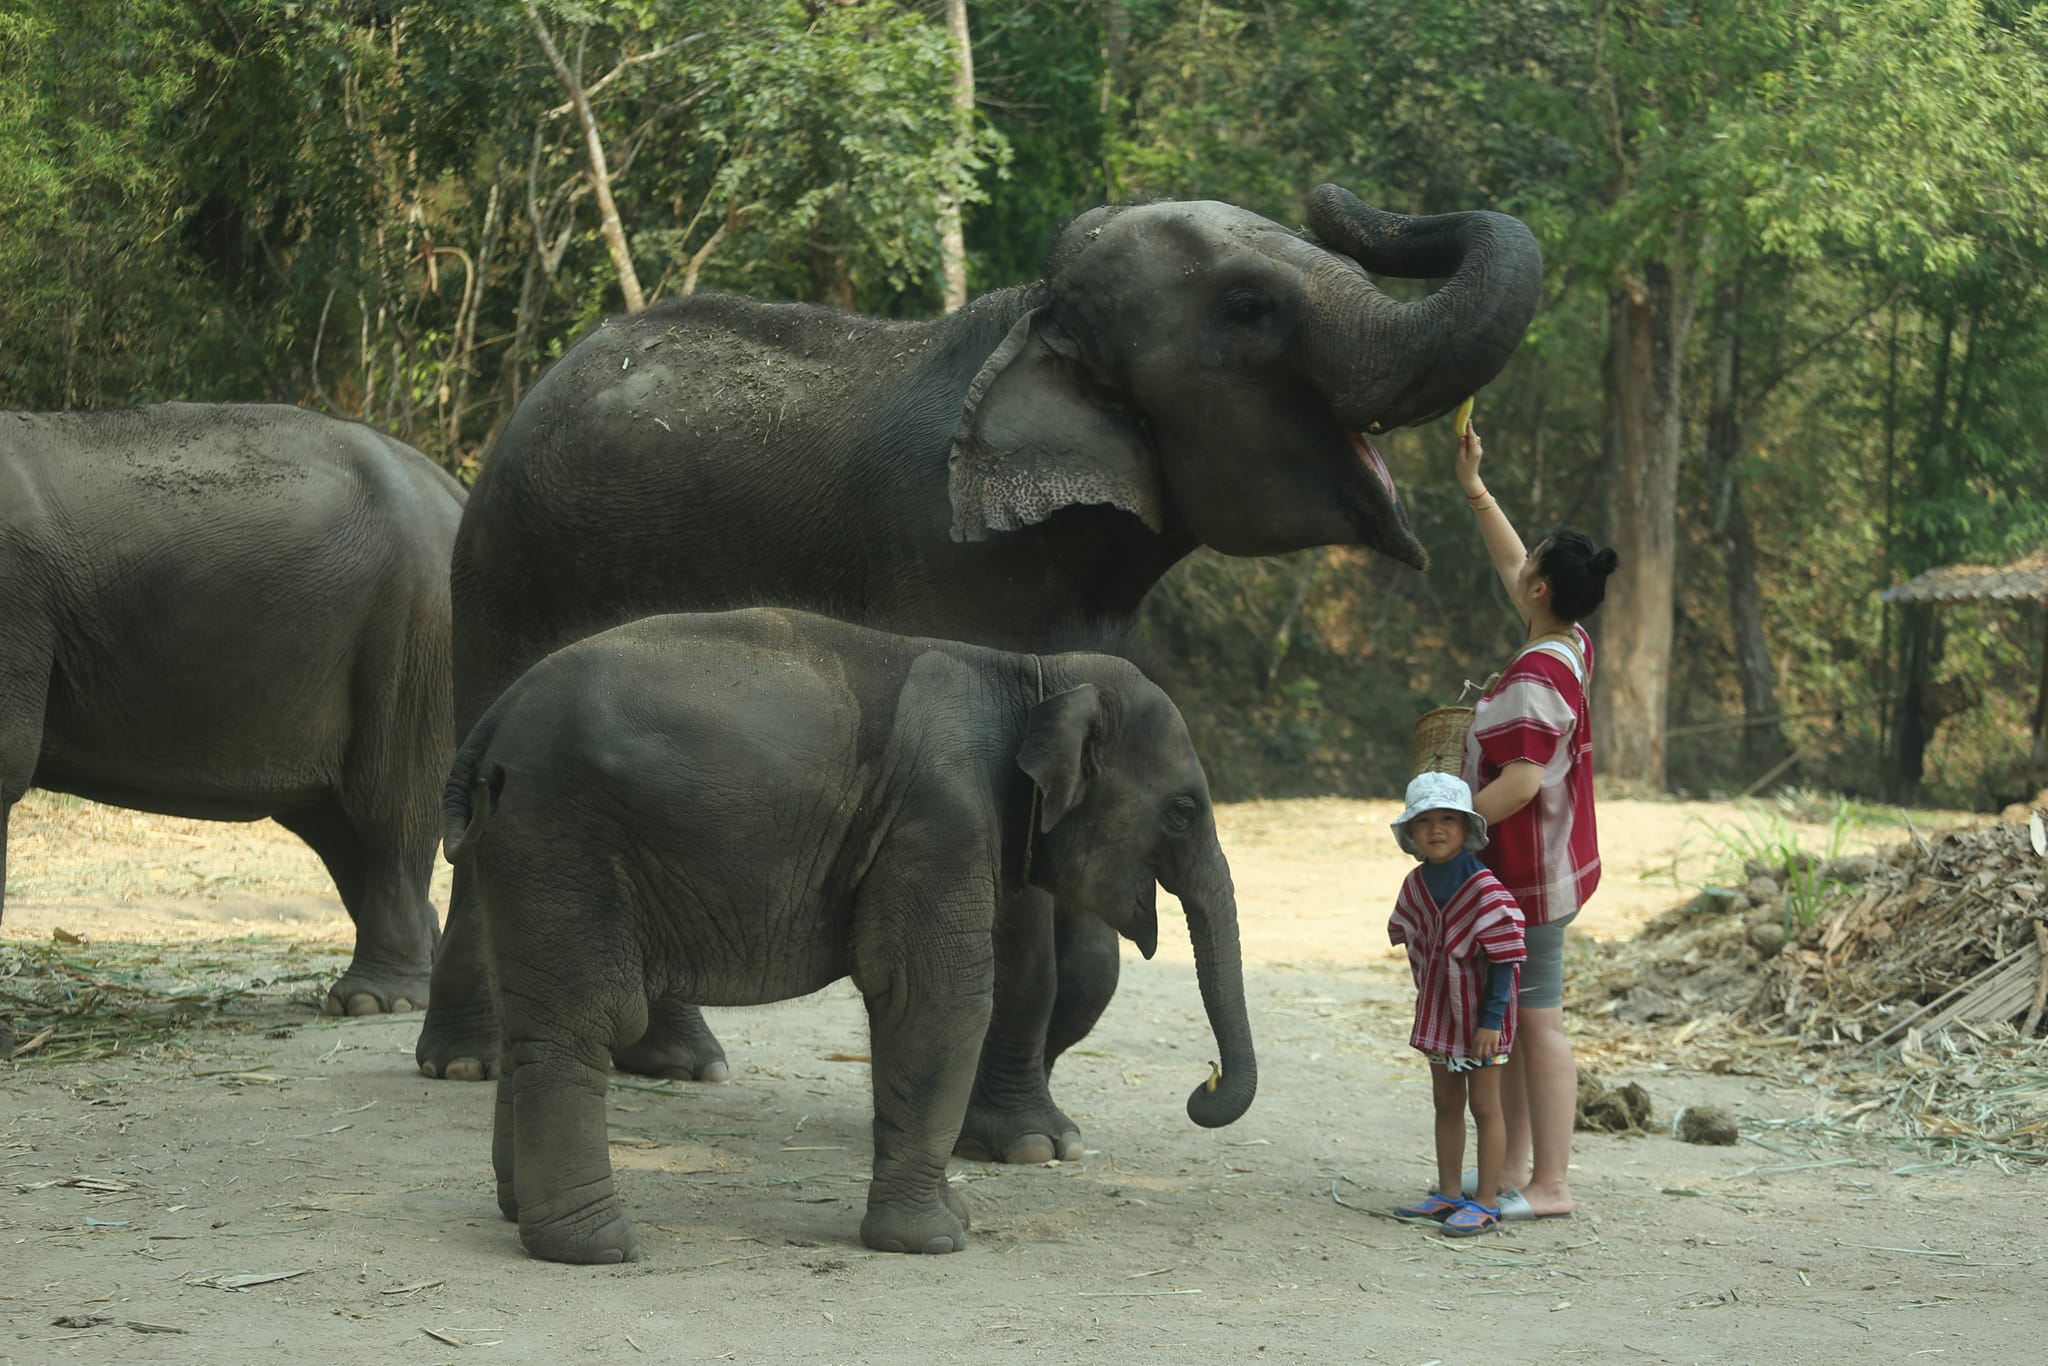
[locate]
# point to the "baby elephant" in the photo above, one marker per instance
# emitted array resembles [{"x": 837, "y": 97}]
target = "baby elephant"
[{"x": 743, "y": 807}]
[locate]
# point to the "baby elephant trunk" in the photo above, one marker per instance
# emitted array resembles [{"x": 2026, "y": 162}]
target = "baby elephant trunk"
[{"x": 1211, "y": 905}]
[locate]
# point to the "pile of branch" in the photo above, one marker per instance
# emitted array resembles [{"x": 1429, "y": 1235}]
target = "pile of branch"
[{"x": 1945, "y": 933}]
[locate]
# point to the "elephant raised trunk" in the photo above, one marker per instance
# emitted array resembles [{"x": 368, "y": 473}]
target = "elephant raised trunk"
[
  {"x": 1391, "y": 364},
  {"x": 1211, "y": 906}
]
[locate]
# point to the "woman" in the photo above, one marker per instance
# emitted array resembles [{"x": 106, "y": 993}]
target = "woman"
[{"x": 1529, "y": 762}]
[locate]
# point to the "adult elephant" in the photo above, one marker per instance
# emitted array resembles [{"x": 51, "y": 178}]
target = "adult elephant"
[
  {"x": 1185, "y": 374},
  {"x": 232, "y": 611}
]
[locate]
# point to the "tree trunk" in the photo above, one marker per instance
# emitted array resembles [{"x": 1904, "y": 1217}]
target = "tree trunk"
[
  {"x": 1763, "y": 740},
  {"x": 595, "y": 168},
  {"x": 1648, "y": 318},
  {"x": 952, "y": 236}
]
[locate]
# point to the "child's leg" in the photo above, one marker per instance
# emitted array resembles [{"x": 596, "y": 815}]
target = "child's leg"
[
  {"x": 1483, "y": 1088},
  {"x": 1448, "y": 1089}
]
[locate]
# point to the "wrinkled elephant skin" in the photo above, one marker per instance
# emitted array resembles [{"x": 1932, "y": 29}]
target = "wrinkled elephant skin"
[
  {"x": 231, "y": 612},
  {"x": 743, "y": 807},
  {"x": 1185, "y": 374}
]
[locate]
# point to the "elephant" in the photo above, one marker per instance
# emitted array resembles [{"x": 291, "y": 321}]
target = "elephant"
[
  {"x": 742, "y": 807},
  {"x": 233, "y": 611},
  {"x": 1185, "y": 374}
]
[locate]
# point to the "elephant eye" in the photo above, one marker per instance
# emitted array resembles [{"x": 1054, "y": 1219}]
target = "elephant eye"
[
  {"x": 1245, "y": 306},
  {"x": 1179, "y": 815}
]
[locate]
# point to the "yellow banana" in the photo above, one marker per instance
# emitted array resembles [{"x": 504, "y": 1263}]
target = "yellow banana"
[
  {"x": 1215, "y": 1075},
  {"x": 1464, "y": 416}
]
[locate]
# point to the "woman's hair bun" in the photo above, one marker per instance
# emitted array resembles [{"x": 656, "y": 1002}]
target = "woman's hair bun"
[{"x": 1604, "y": 561}]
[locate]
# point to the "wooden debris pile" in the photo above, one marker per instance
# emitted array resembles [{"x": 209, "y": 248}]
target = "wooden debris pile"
[{"x": 1954, "y": 931}]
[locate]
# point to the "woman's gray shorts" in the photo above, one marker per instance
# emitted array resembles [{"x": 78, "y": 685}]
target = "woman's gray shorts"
[{"x": 1543, "y": 974}]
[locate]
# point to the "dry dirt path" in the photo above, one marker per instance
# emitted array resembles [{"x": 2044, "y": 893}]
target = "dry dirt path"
[{"x": 135, "y": 1190}]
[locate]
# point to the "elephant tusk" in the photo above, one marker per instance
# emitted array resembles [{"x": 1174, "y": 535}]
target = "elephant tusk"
[{"x": 1215, "y": 1075}]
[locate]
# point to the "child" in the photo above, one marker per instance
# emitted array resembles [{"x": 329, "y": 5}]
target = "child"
[{"x": 1464, "y": 938}]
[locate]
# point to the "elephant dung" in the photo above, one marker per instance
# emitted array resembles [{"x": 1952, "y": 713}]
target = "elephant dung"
[
  {"x": 1705, "y": 1124},
  {"x": 1623, "y": 1110}
]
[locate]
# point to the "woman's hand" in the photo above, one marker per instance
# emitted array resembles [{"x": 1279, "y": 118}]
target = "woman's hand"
[{"x": 1470, "y": 452}]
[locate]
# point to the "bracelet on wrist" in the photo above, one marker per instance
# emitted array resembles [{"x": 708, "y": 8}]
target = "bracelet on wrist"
[
  {"x": 1475, "y": 497},
  {"x": 1490, "y": 502}
]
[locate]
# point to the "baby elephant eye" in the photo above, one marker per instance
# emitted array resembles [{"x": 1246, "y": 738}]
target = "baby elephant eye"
[{"x": 1179, "y": 815}]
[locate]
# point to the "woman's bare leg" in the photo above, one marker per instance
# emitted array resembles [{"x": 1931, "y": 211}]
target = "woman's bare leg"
[{"x": 1549, "y": 1083}]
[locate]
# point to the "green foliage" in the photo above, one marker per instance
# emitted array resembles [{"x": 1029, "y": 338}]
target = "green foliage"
[
  {"x": 380, "y": 208},
  {"x": 1765, "y": 839}
]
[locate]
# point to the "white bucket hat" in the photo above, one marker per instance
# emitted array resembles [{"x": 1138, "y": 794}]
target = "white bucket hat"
[{"x": 1440, "y": 792}]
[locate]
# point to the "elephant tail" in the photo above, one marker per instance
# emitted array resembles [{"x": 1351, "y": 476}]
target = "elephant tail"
[{"x": 473, "y": 786}]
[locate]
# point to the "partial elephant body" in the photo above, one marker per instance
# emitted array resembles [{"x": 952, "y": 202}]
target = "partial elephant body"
[
  {"x": 1185, "y": 375},
  {"x": 233, "y": 612},
  {"x": 740, "y": 808}
]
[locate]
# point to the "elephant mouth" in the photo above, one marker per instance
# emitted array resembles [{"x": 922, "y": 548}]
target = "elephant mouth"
[
  {"x": 1143, "y": 929},
  {"x": 1369, "y": 456}
]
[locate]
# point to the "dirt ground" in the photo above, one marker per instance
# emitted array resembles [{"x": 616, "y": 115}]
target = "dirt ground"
[{"x": 279, "y": 1187}]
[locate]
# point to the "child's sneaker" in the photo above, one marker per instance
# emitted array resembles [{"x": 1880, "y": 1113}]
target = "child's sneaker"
[
  {"x": 1469, "y": 1217},
  {"x": 1432, "y": 1206}
]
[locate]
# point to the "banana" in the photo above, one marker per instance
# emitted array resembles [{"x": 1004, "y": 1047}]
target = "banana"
[
  {"x": 1464, "y": 416},
  {"x": 1215, "y": 1075}
]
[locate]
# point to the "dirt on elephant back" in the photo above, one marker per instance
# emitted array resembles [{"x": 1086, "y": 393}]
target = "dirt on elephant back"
[{"x": 196, "y": 1166}]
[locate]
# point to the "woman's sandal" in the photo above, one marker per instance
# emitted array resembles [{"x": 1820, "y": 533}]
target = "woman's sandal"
[
  {"x": 1432, "y": 1206},
  {"x": 1468, "y": 1218}
]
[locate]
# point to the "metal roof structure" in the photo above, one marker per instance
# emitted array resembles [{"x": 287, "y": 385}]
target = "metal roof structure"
[{"x": 2024, "y": 580}]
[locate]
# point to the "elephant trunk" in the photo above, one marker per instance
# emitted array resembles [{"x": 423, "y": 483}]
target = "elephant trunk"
[
  {"x": 1393, "y": 364},
  {"x": 1211, "y": 906}
]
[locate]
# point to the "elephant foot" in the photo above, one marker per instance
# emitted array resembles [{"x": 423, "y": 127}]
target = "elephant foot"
[
  {"x": 599, "y": 1236},
  {"x": 457, "y": 1047},
  {"x": 1024, "y": 1136},
  {"x": 694, "y": 1055},
  {"x": 367, "y": 991},
  {"x": 925, "y": 1227}
]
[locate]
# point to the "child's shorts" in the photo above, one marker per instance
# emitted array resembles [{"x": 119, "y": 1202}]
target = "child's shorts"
[{"x": 1450, "y": 1064}]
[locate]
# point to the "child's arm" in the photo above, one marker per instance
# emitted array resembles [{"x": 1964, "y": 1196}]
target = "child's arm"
[{"x": 1493, "y": 1008}]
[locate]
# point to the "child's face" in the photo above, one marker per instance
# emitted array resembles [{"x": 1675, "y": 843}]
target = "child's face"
[{"x": 1440, "y": 834}]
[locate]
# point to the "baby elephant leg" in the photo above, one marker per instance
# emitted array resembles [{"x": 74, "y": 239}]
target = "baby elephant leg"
[
  {"x": 560, "y": 1021},
  {"x": 926, "y": 1027},
  {"x": 561, "y": 1171}
]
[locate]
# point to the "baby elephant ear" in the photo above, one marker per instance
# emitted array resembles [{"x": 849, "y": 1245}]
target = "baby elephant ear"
[
  {"x": 1057, "y": 741},
  {"x": 1037, "y": 434}
]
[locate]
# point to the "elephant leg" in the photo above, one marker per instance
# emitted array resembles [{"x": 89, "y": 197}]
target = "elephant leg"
[
  {"x": 501, "y": 1146},
  {"x": 1089, "y": 960},
  {"x": 382, "y": 878},
  {"x": 677, "y": 1044},
  {"x": 568, "y": 991},
  {"x": 459, "y": 1038},
  {"x": 24, "y": 693},
  {"x": 1010, "y": 1115},
  {"x": 925, "y": 1023}
]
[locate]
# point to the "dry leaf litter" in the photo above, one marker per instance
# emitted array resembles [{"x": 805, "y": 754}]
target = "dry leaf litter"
[{"x": 1908, "y": 987}]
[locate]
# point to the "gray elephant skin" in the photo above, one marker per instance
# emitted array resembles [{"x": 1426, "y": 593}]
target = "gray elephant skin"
[
  {"x": 1185, "y": 374},
  {"x": 736, "y": 808},
  {"x": 231, "y": 612}
]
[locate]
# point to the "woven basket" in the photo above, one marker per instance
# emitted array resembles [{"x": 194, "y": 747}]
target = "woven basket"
[{"x": 1439, "y": 743}]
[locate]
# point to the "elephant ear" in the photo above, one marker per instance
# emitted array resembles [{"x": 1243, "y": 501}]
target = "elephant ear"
[
  {"x": 1036, "y": 436},
  {"x": 1057, "y": 750}
]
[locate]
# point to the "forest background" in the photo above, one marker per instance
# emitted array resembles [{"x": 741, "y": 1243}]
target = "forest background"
[{"x": 1792, "y": 347}]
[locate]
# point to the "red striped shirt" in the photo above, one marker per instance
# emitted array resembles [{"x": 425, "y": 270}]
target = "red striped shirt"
[
  {"x": 1448, "y": 949},
  {"x": 1548, "y": 853}
]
